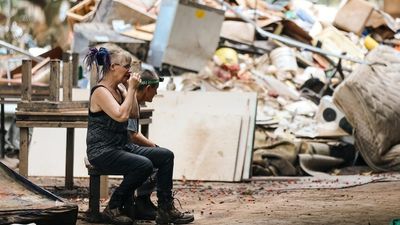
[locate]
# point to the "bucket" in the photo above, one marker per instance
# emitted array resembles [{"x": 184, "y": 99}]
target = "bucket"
[{"x": 284, "y": 59}]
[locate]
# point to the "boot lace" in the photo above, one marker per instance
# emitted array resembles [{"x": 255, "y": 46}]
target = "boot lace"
[{"x": 174, "y": 209}]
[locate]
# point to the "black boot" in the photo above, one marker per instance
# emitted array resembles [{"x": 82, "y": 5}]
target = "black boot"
[
  {"x": 113, "y": 212},
  {"x": 128, "y": 208},
  {"x": 167, "y": 213},
  {"x": 144, "y": 208}
]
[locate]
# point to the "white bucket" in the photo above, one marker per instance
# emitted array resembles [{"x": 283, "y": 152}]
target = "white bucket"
[{"x": 284, "y": 59}]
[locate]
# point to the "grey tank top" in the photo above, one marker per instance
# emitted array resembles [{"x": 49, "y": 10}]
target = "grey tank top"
[{"x": 104, "y": 134}]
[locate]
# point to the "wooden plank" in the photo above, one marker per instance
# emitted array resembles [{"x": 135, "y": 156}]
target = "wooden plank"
[
  {"x": 26, "y": 80},
  {"x": 145, "y": 121},
  {"x": 23, "y": 154},
  {"x": 35, "y": 68},
  {"x": 149, "y": 28},
  {"x": 51, "y": 124},
  {"x": 14, "y": 91},
  {"x": 250, "y": 139},
  {"x": 134, "y": 33},
  {"x": 54, "y": 80},
  {"x": 104, "y": 187},
  {"x": 42, "y": 106},
  {"x": 75, "y": 64},
  {"x": 60, "y": 119},
  {"x": 67, "y": 82},
  {"x": 241, "y": 148}
]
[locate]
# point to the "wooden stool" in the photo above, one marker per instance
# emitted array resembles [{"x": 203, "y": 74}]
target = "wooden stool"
[{"x": 94, "y": 186}]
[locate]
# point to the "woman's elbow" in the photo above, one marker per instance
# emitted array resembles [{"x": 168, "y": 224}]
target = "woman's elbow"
[{"x": 122, "y": 118}]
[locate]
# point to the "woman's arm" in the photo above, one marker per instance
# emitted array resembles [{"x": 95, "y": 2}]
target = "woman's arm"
[
  {"x": 135, "y": 109},
  {"x": 102, "y": 99}
]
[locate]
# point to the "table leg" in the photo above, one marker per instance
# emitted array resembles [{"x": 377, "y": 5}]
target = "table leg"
[
  {"x": 23, "y": 150},
  {"x": 69, "y": 163},
  {"x": 3, "y": 133},
  {"x": 144, "y": 129}
]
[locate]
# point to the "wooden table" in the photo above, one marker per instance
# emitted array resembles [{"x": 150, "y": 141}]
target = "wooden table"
[{"x": 69, "y": 120}]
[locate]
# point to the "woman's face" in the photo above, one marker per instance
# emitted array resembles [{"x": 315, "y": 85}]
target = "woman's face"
[{"x": 123, "y": 71}]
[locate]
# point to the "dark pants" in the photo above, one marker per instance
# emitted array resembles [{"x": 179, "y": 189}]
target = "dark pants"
[
  {"x": 163, "y": 163},
  {"x": 137, "y": 163},
  {"x": 148, "y": 186}
]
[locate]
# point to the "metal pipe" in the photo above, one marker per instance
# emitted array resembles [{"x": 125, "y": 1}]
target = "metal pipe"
[{"x": 14, "y": 48}]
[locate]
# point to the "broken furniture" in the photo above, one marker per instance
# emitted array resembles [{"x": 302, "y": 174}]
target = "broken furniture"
[
  {"x": 10, "y": 85},
  {"x": 186, "y": 35},
  {"x": 23, "y": 202},
  {"x": 51, "y": 113},
  {"x": 99, "y": 187}
]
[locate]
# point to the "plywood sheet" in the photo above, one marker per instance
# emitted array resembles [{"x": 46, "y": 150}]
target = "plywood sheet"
[
  {"x": 205, "y": 145},
  {"x": 215, "y": 103}
]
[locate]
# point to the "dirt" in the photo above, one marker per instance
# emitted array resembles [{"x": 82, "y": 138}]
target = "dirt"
[{"x": 255, "y": 203}]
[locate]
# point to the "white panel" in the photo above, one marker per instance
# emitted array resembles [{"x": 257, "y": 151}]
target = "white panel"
[
  {"x": 205, "y": 145},
  {"x": 47, "y": 152}
]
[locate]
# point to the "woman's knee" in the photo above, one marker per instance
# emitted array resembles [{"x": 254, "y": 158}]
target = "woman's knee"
[{"x": 147, "y": 166}]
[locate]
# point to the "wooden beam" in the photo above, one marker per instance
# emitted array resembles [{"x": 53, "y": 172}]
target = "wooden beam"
[
  {"x": 54, "y": 80},
  {"x": 23, "y": 148},
  {"x": 75, "y": 64},
  {"x": 67, "y": 82},
  {"x": 41, "y": 106},
  {"x": 69, "y": 163},
  {"x": 26, "y": 88}
]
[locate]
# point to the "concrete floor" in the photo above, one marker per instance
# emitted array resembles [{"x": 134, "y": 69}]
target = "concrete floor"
[{"x": 258, "y": 202}]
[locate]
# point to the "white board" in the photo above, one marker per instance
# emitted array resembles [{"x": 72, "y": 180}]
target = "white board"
[{"x": 205, "y": 146}]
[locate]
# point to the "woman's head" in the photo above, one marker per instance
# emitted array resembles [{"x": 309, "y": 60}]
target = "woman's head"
[{"x": 109, "y": 58}]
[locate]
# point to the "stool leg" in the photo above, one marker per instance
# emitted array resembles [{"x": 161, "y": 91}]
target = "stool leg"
[
  {"x": 94, "y": 194},
  {"x": 104, "y": 186}
]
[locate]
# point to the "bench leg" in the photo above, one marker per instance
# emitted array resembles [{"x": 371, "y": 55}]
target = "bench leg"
[{"x": 94, "y": 194}]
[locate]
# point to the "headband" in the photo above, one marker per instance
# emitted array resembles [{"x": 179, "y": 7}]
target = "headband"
[{"x": 152, "y": 81}]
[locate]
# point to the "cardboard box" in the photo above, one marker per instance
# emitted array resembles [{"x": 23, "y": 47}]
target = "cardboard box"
[
  {"x": 353, "y": 16},
  {"x": 392, "y": 7}
]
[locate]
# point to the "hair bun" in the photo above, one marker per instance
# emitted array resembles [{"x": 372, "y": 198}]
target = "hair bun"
[{"x": 102, "y": 56}]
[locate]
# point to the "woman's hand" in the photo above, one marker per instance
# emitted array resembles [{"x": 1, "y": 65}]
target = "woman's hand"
[{"x": 134, "y": 81}]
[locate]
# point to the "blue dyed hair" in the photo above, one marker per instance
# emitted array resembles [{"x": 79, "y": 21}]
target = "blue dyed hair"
[
  {"x": 102, "y": 57},
  {"x": 99, "y": 57}
]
